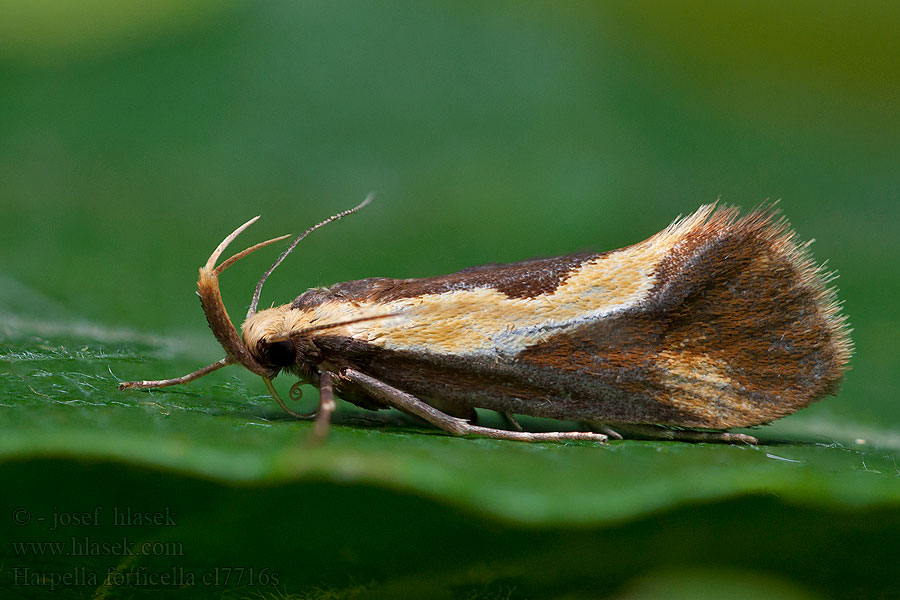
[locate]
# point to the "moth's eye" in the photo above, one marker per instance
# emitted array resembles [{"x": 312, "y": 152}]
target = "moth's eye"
[{"x": 280, "y": 354}]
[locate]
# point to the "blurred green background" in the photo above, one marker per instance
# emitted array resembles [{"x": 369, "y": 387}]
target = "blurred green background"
[{"x": 133, "y": 137}]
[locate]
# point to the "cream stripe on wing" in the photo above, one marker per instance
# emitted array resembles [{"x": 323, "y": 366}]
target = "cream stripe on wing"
[{"x": 484, "y": 321}]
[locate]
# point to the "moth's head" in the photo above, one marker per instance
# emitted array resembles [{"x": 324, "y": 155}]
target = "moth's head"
[
  {"x": 277, "y": 354},
  {"x": 260, "y": 351},
  {"x": 267, "y": 336},
  {"x": 267, "y": 346}
]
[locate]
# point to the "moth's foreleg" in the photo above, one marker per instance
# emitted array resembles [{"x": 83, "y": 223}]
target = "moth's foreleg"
[
  {"x": 412, "y": 405},
  {"x": 326, "y": 408},
  {"x": 134, "y": 385},
  {"x": 322, "y": 414}
]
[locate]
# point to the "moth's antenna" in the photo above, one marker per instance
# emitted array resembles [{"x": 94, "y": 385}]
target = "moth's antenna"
[
  {"x": 255, "y": 301},
  {"x": 308, "y": 330}
]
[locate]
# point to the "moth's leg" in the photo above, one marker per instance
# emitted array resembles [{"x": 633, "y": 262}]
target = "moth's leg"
[
  {"x": 326, "y": 407},
  {"x": 132, "y": 385},
  {"x": 654, "y": 432},
  {"x": 412, "y": 405},
  {"x": 511, "y": 420},
  {"x": 603, "y": 428}
]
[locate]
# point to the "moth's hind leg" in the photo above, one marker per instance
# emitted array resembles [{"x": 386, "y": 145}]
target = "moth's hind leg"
[
  {"x": 412, "y": 405},
  {"x": 603, "y": 428},
  {"x": 655, "y": 432},
  {"x": 511, "y": 421}
]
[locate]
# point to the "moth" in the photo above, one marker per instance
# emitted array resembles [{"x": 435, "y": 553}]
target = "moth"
[{"x": 718, "y": 321}]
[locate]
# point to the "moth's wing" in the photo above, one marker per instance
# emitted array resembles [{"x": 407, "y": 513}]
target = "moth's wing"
[
  {"x": 739, "y": 329},
  {"x": 524, "y": 279},
  {"x": 607, "y": 368}
]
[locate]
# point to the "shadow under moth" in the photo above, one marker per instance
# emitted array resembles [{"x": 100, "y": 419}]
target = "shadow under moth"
[{"x": 718, "y": 321}]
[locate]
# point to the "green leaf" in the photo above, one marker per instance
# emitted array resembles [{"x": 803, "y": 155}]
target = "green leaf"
[
  {"x": 453, "y": 514},
  {"x": 132, "y": 142}
]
